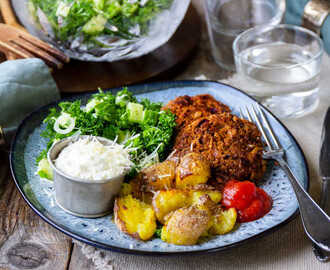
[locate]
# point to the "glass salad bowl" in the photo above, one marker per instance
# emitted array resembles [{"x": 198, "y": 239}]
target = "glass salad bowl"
[{"x": 102, "y": 30}]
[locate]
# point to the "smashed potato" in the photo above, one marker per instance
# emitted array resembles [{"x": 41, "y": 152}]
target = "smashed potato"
[
  {"x": 135, "y": 217},
  {"x": 192, "y": 170},
  {"x": 223, "y": 221},
  {"x": 185, "y": 226},
  {"x": 204, "y": 202},
  {"x": 214, "y": 195},
  {"x": 159, "y": 176},
  {"x": 167, "y": 201},
  {"x": 135, "y": 187},
  {"x": 178, "y": 197}
]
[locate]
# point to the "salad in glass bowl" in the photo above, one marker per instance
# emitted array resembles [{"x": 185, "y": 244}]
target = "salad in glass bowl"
[{"x": 102, "y": 30}]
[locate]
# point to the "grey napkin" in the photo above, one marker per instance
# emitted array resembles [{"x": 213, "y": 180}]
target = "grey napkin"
[{"x": 24, "y": 86}]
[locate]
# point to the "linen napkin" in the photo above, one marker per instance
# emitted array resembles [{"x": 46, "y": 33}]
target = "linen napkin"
[
  {"x": 25, "y": 85},
  {"x": 294, "y": 13}
]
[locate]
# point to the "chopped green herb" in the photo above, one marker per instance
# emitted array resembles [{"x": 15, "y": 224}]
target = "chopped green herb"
[
  {"x": 158, "y": 233},
  {"x": 92, "y": 18},
  {"x": 148, "y": 132}
]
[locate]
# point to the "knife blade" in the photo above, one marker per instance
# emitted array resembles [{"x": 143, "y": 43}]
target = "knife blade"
[{"x": 324, "y": 168}]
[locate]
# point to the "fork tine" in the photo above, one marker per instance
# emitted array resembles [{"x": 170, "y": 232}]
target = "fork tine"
[
  {"x": 241, "y": 113},
  {"x": 248, "y": 114},
  {"x": 45, "y": 46},
  {"x": 50, "y": 60},
  {"x": 264, "y": 119},
  {"x": 261, "y": 128}
]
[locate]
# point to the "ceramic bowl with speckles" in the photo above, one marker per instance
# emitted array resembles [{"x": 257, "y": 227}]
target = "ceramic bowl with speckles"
[{"x": 102, "y": 232}]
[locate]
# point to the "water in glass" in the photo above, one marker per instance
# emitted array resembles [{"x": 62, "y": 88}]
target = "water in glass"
[
  {"x": 281, "y": 76},
  {"x": 228, "y": 18}
]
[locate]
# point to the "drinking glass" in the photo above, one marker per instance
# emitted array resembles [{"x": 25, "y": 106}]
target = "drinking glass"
[
  {"x": 280, "y": 66},
  {"x": 226, "y": 19}
]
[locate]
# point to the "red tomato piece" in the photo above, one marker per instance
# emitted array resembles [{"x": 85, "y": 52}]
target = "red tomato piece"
[
  {"x": 266, "y": 199},
  {"x": 251, "y": 202},
  {"x": 253, "y": 212},
  {"x": 239, "y": 194}
]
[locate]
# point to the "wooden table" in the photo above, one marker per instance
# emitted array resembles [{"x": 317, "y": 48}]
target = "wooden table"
[{"x": 27, "y": 242}]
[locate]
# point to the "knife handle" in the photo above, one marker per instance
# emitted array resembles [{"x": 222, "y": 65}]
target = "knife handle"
[
  {"x": 315, "y": 221},
  {"x": 325, "y": 193},
  {"x": 320, "y": 254}
]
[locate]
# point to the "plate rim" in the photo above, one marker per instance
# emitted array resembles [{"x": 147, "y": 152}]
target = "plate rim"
[{"x": 169, "y": 84}]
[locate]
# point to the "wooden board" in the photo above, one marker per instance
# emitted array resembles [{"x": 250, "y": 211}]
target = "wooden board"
[
  {"x": 80, "y": 76},
  {"x": 26, "y": 241}
]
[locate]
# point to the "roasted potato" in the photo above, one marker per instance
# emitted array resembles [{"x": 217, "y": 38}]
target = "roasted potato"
[
  {"x": 167, "y": 201},
  {"x": 136, "y": 188},
  {"x": 223, "y": 221},
  {"x": 214, "y": 195},
  {"x": 205, "y": 202},
  {"x": 185, "y": 226},
  {"x": 159, "y": 176},
  {"x": 135, "y": 217},
  {"x": 192, "y": 170}
]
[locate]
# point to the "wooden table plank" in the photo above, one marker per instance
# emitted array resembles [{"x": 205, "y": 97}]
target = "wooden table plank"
[
  {"x": 26, "y": 241},
  {"x": 79, "y": 260}
]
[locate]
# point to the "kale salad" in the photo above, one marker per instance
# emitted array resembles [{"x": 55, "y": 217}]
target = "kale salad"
[
  {"x": 97, "y": 23},
  {"x": 141, "y": 126}
]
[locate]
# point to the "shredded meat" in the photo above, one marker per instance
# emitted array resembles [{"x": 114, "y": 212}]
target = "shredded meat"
[
  {"x": 188, "y": 109},
  {"x": 232, "y": 145}
]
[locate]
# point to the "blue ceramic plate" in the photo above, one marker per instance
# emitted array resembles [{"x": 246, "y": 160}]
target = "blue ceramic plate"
[{"x": 102, "y": 232}]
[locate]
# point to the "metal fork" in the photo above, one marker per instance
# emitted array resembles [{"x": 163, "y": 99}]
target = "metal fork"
[{"x": 315, "y": 221}]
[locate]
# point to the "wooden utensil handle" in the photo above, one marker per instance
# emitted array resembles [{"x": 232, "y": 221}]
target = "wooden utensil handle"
[
  {"x": 10, "y": 19},
  {"x": 8, "y": 14}
]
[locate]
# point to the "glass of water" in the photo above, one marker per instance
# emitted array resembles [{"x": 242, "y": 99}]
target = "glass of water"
[
  {"x": 226, "y": 19},
  {"x": 280, "y": 66}
]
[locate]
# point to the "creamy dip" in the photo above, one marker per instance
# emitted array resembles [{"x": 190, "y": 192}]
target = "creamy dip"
[{"x": 89, "y": 159}]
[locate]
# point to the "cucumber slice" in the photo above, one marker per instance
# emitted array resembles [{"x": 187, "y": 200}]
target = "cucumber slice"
[
  {"x": 135, "y": 112},
  {"x": 150, "y": 117},
  {"x": 92, "y": 104},
  {"x": 113, "y": 9},
  {"x": 123, "y": 135},
  {"x": 128, "y": 9},
  {"x": 63, "y": 9},
  {"x": 99, "y": 4},
  {"x": 95, "y": 25},
  {"x": 44, "y": 169}
]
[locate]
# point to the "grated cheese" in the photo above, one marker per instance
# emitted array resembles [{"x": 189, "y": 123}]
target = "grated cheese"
[{"x": 89, "y": 159}]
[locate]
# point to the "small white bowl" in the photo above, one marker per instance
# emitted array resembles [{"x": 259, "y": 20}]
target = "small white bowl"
[{"x": 79, "y": 197}]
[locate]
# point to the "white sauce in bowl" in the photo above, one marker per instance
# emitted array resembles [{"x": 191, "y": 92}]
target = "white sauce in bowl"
[{"x": 90, "y": 160}]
